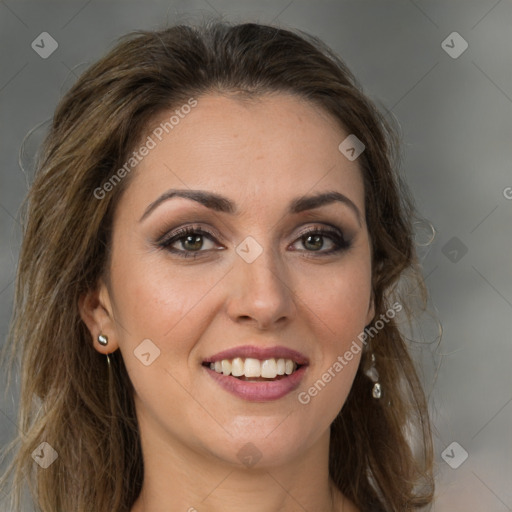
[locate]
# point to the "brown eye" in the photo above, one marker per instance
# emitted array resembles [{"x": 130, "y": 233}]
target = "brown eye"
[
  {"x": 192, "y": 242},
  {"x": 314, "y": 240},
  {"x": 187, "y": 242}
]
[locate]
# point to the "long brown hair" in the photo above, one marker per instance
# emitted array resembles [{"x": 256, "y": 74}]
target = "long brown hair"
[{"x": 67, "y": 236}]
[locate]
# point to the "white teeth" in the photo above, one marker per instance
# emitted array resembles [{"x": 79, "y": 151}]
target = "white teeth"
[
  {"x": 226, "y": 367},
  {"x": 237, "y": 367},
  {"x": 269, "y": 369},
  {"x": 250, "y": 367}
]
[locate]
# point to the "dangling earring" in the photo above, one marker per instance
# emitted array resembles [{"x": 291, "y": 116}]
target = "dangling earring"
[
  {"x": 373, "y": 375},
  {"x": 103, "y": 340}
]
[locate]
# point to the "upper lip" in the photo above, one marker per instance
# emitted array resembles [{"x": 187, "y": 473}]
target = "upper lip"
[{"x": 261, "y": 353}]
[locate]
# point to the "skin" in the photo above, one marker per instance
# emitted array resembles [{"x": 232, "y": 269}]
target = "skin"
[{"x": 261, "y": 154}]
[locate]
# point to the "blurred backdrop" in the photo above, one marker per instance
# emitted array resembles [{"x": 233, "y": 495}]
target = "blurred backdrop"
[{"x": 442, "y": 71}]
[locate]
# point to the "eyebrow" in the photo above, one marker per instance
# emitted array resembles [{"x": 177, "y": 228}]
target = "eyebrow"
[{"x": 222, "y": 204}]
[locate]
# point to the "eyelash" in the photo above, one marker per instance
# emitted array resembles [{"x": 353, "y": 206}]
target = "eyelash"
[{"x": 165, "y": 242}]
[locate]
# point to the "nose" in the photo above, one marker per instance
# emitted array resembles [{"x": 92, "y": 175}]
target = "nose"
[{"x": 261, "y": 293}]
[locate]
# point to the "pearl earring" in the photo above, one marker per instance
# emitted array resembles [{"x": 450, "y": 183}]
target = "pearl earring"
[{"x": 102, "y": 340}]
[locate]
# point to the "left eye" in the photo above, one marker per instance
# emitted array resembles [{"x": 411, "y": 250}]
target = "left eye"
[{"x": 313, "y": 240}]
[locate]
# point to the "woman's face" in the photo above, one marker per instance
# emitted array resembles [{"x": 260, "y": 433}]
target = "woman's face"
[{"x": 248, "y": 286}]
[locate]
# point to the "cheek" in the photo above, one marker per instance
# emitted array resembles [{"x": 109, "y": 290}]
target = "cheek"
[
  {"x": 172, "y": 309},
  {"x": 340, "y": 299},
  {"x": 339, "y": 309},
  {"x": 159, "y": 296}
]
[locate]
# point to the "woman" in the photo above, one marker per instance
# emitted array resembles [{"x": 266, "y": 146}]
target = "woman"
[{"x": 207, "y": 310}]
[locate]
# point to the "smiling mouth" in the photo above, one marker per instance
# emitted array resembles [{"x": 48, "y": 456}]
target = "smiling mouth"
[{"x": 254, "y": 370}]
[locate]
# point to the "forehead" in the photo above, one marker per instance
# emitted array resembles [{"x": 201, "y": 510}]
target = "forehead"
[{"x": 254, "y": 150}]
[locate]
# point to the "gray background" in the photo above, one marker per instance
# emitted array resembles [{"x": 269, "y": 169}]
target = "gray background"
[{"x": 456, "y": 121}]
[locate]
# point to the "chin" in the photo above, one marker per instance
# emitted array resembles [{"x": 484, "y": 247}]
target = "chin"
[{"x": 259, "y": 442}]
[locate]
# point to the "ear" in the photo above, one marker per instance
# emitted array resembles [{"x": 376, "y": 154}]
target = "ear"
[{"x": 96, "y": 311}]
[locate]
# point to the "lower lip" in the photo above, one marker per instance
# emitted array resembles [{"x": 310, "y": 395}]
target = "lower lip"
[{"x": 258, "y": 391}]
